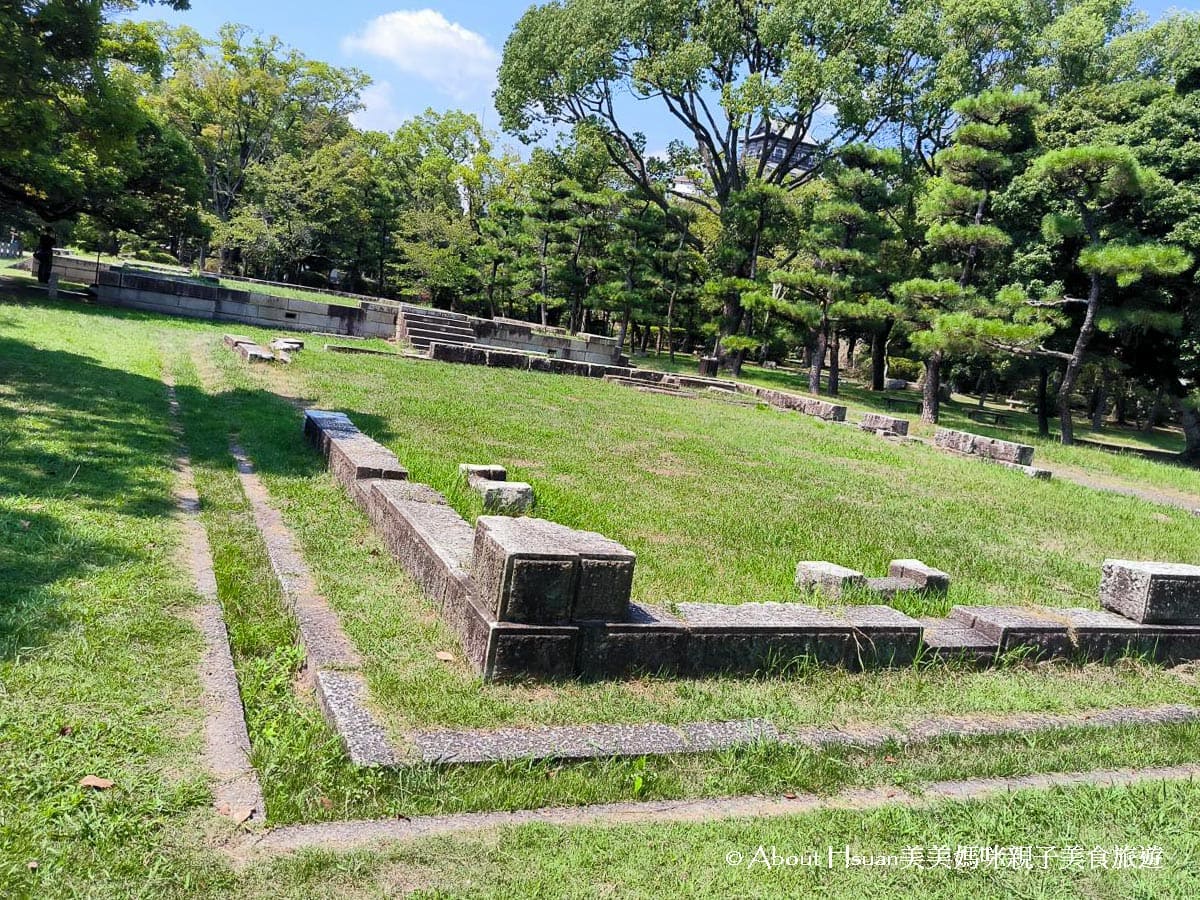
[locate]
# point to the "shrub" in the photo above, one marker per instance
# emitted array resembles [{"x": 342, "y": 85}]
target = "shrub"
[{"x": 899, "y": 367}]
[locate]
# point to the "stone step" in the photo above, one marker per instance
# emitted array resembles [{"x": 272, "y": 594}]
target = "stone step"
[
  {"x": 421, "y": 337},
  {"x": 428, "y": 312},
  {"x": 436, "y": 325},
  {"x": 948, "y": 639}
]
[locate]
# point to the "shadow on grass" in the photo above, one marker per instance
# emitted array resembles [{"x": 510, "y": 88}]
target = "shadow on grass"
[{"x": 83, "y": 446}]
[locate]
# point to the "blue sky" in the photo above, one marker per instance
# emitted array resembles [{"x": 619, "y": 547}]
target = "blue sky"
[{"x": 438, "y": 54}]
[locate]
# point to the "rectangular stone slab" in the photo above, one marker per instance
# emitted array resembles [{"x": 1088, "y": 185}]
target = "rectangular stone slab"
[
  {"x": 491, "y": 473},
  {"x": 432, "y": 542},
  {"x": 929, "y": 578},
  {"x": 1152, "y": 592},
  {"x": 651, "y": 642},
  {"x": 1102, "y": 635},
  {"x": 829, "y": 578},
  {"x": 880, "y": 422},
  {"x": 523, "y": 571},
  {"x": 882, "y": 636},
  {"x": 951, "y": 640},
  {"x": 1015, "y": 626},
  {"x": 978, "y": 445},
  {"x": 503, "y": 498},
  {"x": 761, "y": 637}
]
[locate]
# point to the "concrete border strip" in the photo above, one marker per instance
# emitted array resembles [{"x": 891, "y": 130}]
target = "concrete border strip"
[
  {"x": 237, "y": 792},
  {"x": 364, "y": 833},
  {"x": 331, "y": 657}
]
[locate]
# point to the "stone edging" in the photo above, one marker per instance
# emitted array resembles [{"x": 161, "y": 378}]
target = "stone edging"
[
  {"x": 332, "y": 660},
  {"x": 237, "y": 792},
  {"x": 364, "y": 833}
]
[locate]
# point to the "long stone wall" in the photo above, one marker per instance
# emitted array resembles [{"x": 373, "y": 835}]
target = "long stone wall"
[
  {"x": 524, "y": 337},
  {"x": 205, "y": 300},
  {"x": 529, "y": 598}
]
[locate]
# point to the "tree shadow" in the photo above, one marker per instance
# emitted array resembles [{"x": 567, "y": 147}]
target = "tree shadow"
[{"x": 83, "y": 445}]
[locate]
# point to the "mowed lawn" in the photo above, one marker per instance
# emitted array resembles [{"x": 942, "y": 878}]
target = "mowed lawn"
[{"x": 97, "y": 654}]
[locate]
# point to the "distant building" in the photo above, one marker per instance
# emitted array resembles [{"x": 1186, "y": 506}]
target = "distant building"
[
  {"x": 774, "y": 140},
  {"x": 685, "y": 186}
]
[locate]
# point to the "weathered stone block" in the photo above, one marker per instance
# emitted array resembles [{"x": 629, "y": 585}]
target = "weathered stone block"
[
  {"x": 879, "y": 422},
  {"x": 524, "y": 574},
  {"x": 978, "y": 445},
  {"x": 507, "y": 359},
  {"x": 605, "y": 575},
  {"x": 503, "y": 498},
  {"x": 828, "y": 578},
  {"x": 431, "y": 541},
  {"x": 458, "y": 353},
  {"x": 927, "y": 577},
  {"x": 491, "y": 473},
  {"x": 652, "y": 641},
  {"x": 380, "y": 492},
  {"x": 1152, "y": 592},
  {"x": 518, "y": 652},
  {"x": 252, "y": 353},
  {"x": 880, "y": 636},
  {"x": 761, "y": 637},
  {"x": 947, "y": 639},
  {"x": 1013, "y": 627}
]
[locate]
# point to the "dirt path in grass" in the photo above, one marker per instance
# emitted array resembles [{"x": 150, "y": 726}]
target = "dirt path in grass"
[{"x": 1161, "y": 496}]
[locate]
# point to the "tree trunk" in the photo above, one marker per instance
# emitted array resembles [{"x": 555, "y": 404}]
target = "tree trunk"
[
  {"x": 1155, "y": 413},
  {"x": 670, "y": 317},
  {"x": 1043, "y": 400},
  {"x": 835, "y": 364},
  {"x": 1189, "y": 415},
  {"x": 818, "y": 360},
  {"x": 1100, "y": 408},
  {"x": 879, "y": 341},
  {"x": 931, "y": 394},
  {"x": 1075, "y": 362}
]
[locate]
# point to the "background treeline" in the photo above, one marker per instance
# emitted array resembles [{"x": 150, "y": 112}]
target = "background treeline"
[{"x": 1005, "y": 195}]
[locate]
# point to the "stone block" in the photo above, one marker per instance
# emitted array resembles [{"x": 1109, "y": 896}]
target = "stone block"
[
  {"x": 888, "y": 587},
  {"x": 539, "y": 572},
  {"x": 1152, "y": 592},
  {"x": 232, "y": 340},
  {"x": 491, "y": 473},
  {"x": 431, "y": 541},
  {"x": 988, "y": 448},
  {"x": 540, "y": 364},
  {"x": 1013, "y": 627},
  {"x": 518, "y": 652},
  {"x": 252, "y": 353},
  {"x": 880, "y": 636},
  {"x": 380, "y": 492},
  {"x": 458, "y": 353},
  {"x": 927, "y": 577},
  {"x": 287, "y": 345},
  {"x": 523, "y": 572},
  {"x": 504, "y": 498},
  {"x": 652, "y": 641},
  {"x": 879, "y": 422},
  {"x": 826, "y": 577},
  {"x": 946, "y": 639},
  {"x": 507, "y": 359},
  {"x": 753, "y": 638}
]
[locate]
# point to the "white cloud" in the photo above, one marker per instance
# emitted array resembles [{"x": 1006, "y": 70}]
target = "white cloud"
[
  {"x": 424, "y": 43},
  {"x": 379, "y": 112}
]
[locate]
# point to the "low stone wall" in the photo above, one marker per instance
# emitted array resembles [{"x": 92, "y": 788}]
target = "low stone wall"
[
  {"x": 69, "y": 268},
  {"x": 879, "y": 422},
  {"x": 526, "y": 338},
  {"x": 986, "y": 447},
  {"x": 202, "y": 300},
  {"x": 810, "y": 406}
]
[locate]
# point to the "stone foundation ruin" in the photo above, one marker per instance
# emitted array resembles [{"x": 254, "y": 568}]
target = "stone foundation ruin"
[{"x": 529, "y": 598}]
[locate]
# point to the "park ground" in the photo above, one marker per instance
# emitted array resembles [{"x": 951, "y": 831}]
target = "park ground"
[{"x": 98, "y": 654}]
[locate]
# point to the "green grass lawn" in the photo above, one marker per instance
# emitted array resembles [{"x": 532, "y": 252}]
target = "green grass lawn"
[{"x": 97, "y": 657}]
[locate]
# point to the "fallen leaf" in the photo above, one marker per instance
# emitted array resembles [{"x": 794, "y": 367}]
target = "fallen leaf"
[
  {"x": 25, "y": 523},
  {"x": 66, "y": 731},
  {"x": 789, "y": 796},
  {"x": 93, "y": 781},
  {"x": 444, "y": 656},
  {"x": 325, "y": 802},
  {"x": 242, "y": 814},
  {"x": 890, "y": 759},
  {"x": 32, "y": 865}
]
